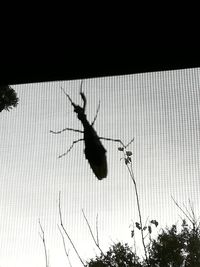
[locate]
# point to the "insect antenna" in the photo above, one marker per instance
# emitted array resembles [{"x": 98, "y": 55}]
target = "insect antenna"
[
  {"x": 96, "y": 114},
  {"x": 68, "y": 97}
]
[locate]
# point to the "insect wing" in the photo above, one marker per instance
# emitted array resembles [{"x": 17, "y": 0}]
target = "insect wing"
[
  {"x": 100, "y": 170},
  {"x": 95, "y": 153}
]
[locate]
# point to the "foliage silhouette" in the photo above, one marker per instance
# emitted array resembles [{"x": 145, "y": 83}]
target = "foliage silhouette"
[
  {"x": 191, "y": 237},
  {"x": 172, "y": 248},
  {"x": 167, "y": 249},
  {"x": 8, "y": 98},
  {"x": 118, "y": 255}
]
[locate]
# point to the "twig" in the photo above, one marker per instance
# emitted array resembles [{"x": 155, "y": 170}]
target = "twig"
[
  {"x": 97, "y": 229},
  {"x": 95, "y": 241},
  {"x": 188, "y": 212},
  {"x": 129, "y": 143},
  {"x": 64, "y": 245},
  {"x": 44, "y": 244},
  {"x": 182, "y": 210},
  {"x": 61, "y": 223},
  {"x": 193, "y": 214}
]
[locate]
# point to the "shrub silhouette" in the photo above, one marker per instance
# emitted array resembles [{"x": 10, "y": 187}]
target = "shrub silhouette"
[
  {"x": 8, "y": 98},
  {"x": 167, "y": 250},
  {"x": 118, "y": 255},
  {"x": 172, "y": 248}
]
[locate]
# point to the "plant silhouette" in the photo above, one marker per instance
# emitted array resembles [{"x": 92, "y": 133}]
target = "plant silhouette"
[{"x": 8, "y": 98}]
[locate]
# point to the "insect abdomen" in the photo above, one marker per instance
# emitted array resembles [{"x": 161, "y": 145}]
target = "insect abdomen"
[{"x": 95, "y": 153}]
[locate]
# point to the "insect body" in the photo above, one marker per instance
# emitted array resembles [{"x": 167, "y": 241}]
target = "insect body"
[{"x": 94, "y": 151}]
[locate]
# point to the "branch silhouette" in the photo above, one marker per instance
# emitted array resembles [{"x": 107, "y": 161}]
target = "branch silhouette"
[{"x": 65, "y": 231}]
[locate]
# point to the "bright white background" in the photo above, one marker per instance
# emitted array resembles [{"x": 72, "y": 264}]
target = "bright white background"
[{"x": 161, "y": 110}]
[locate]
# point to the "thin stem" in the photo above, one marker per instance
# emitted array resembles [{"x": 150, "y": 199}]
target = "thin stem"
[
  {"x": 44, "y": 243},
  {"x": 129, "y": 143},
  {"x": 190, "y": 216},
  {"x": 90, "y": 229},
  {"x": 130, "y": 169},
  {"x": 188, "y": 212},
  {"x": 64, "y": 245},
  {"x": 61, "y": 223},
  {"x": 182, "y": 210},
  {"x": 97, "y": 229},
  {"x": 193, "y": 214}
]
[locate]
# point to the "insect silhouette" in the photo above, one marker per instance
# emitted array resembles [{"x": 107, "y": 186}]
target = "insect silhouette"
[{"x": 94, "y": 151}]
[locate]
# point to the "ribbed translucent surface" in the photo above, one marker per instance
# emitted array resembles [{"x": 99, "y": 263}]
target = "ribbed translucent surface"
[{"x": 160, "y": 110}]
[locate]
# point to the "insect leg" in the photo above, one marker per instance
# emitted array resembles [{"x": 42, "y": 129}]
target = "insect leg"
[
  {"x": 117, "y": 140},
  {"x": 74, "y": 142},
  {"x": 67, "y": 129}
]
